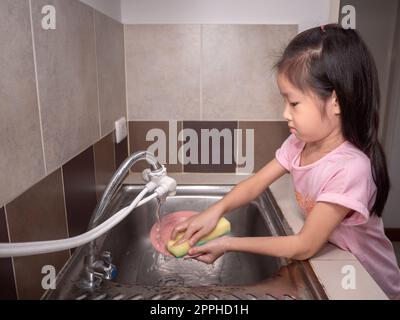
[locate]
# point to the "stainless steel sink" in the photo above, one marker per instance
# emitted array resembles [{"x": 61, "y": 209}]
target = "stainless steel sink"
[{"x": 143, "y": 273}]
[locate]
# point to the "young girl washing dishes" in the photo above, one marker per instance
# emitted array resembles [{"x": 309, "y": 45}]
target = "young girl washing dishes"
[{"x": 329, "y": 83}]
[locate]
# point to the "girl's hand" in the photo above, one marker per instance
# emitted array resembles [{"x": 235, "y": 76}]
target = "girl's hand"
[
  {"x": 197, "y": 226},
  {"x": 210, "y": 251}
]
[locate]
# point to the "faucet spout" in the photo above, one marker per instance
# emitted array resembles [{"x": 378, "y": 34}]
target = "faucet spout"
[
  {"x": 90, "y": 280},
  {"x": 118, "y": 177}
]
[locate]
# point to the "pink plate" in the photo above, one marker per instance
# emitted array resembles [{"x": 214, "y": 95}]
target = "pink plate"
[{"x": 168, "y": 222}]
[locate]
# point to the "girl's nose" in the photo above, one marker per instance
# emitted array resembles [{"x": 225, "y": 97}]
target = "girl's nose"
[{"x": 286, "y": 113}]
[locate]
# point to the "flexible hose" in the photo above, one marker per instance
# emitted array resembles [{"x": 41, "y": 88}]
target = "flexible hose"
[
  {"x": 39, "y": 247},
  {"x": 147, "y": 199}
]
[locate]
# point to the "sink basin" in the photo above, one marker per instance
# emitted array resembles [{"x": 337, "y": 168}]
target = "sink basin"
[{"x": 143, "y": 273}]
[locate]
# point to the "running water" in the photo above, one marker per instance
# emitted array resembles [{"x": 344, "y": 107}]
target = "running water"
[
  {"x": 160, "y": 202},
  {"x": 169, "y": 270},
  {"x": 161, "y": 231}
]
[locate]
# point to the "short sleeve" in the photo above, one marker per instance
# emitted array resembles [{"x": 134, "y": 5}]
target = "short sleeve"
[
  {"x": 286, "y": 152},
  {"x": 351, "y": 187}
]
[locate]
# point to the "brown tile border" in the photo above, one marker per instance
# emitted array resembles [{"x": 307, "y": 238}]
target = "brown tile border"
[
  {"x": 7, "y": 287},
  {"x": 80, "y": 191},
  {"x": 197, "y": 126},
  {"x": 121, "y": 152},
  {"x": 104, "y": 159},
  {"x": 28, "y": 271},
  {"x": 3, "y": 226},
  {"x": 38, "y": 215},
  {"x": 7, "y": 290},
  {"x": 137, "y": 141},
  {"x": 268, "y": 137}
]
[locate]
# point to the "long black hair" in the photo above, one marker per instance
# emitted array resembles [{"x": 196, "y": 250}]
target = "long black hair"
[{"x": 328, "y": 58}]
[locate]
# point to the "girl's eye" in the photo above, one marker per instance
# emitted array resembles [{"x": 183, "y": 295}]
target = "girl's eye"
[{"x": 293, "y": 104}]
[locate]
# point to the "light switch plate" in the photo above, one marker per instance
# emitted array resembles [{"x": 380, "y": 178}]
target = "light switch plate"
[{"x": 121, "y": 131}]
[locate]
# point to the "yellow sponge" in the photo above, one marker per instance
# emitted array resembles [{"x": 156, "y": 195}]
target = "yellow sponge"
[{"x": 223, "y": 227}]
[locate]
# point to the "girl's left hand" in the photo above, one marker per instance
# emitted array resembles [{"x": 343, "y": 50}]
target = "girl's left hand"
[{"x": 210, "y": 251}]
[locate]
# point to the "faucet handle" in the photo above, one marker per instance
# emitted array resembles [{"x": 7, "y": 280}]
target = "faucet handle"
[
  {"x": 106, "y": 257},
  {"x": 109, "y": 271}
]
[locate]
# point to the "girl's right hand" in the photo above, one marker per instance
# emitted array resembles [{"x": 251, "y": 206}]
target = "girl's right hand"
[{"x": 198, "y": 226}]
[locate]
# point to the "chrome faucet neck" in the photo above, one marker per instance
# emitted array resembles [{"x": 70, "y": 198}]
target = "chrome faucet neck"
[
  {"x": 96, "y": 270},
  {"x": 117, "y": 179}
]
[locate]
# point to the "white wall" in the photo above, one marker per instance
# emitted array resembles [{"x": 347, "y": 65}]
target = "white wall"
[
  {"x": 111, "y": 8},
  {"x": 305, "y": 13}
]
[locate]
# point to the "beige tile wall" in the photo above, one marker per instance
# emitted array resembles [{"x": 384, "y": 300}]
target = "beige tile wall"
[
  {"x": 204, "y": 72},
  {"x": 21, "y": 160},
  {"x": 66, "y": 68},
  {"x": 79, "y": 92},
  {"x": 237, "y": 78},
  {"x": 163, "y": 71},
  {"x": 111, "y": 71}
]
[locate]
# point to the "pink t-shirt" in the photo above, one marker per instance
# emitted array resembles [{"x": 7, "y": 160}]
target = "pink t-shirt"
[{"x": 344, "y": 177}]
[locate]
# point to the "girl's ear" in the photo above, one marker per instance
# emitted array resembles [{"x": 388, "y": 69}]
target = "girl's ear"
[{"x": 335, "y": 104}]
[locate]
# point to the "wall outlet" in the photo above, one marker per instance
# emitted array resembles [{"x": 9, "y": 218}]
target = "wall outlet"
[{"x": 121, "y": 131}]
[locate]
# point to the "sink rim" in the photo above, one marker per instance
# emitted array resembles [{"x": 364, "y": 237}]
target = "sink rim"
[{"x": 265, "y": 201}]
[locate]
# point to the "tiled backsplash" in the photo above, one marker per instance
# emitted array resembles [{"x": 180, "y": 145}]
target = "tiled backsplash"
[
  {"x": 204, "y": 72},
  {"x": 7, "y": 280},
  {"x": 21, "y": 160},
  {"x": 163, "y": 71},
  {"x": 37, "y": 215},
  {"x": 224, "y": 162},
  {"x": 110, "y": 53},
  {"x": 80, "y": 191},
  {"x": 105, "y": 162},
  {"x": 64, "y": 89},
  {"x": 61, "y": 92},
  {"x": 268, "y": 136},
  {"x": 137, "y": 141},
  {"x": 58, "y": 206},
  {"x": 67, "y": 81}
]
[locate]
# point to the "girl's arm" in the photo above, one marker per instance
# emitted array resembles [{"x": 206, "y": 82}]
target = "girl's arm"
[
  {"x": 320, "y": 223},
  {"x": 245, "y": 191}
]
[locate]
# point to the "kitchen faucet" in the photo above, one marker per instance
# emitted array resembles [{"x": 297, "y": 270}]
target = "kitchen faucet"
[{"x": 96, "y": 270}]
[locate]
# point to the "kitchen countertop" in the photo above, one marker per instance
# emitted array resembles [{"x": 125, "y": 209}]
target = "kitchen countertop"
[{"x": 331, "y": 265}]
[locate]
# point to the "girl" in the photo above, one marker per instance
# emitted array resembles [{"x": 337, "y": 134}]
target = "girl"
[{"x": 330, "y": 87}]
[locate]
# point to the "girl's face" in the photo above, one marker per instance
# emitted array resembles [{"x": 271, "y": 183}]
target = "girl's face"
[{"x": 303, "y": 112}]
